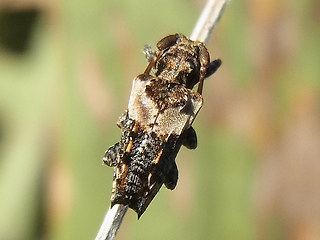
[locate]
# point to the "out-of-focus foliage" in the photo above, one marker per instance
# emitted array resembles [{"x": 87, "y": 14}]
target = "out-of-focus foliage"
[{"x": 256, "y": 170}]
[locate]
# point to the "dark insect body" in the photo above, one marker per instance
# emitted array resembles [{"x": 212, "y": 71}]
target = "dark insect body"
[{"x": 161, "y": 110}]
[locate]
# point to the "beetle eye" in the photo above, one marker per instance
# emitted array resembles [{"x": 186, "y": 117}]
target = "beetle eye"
[{"x": 192, "y": 78}]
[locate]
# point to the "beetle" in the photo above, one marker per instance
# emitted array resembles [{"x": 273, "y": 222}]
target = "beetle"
[{"x": 158, "y": 121}]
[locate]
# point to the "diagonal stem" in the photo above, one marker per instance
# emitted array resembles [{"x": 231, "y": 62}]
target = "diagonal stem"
[
  {"x": 112, "y": 222},
  {"x": 209, "y": 18},
  {"x": 206, "y": 23}
]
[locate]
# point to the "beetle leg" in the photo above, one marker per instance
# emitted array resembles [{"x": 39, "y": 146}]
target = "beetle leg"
[{"x": 190, "y": 138}]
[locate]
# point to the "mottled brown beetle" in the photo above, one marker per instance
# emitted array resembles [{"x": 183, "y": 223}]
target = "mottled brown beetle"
[{"x": 161, "y": 110}]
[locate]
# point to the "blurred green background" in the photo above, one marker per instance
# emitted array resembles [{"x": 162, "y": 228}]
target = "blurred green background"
[{"x": 65, "y": 75}]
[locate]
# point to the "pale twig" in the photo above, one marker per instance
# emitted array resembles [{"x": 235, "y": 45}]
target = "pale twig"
[
  {"x": 202, "y": 32},
  {"x": 112, "y": 222},
  {"x": 208, "y": 19}
]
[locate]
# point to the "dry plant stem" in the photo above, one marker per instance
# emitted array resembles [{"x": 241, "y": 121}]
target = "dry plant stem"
[
  {"x": 112, "y": 222},
  {"x": 208, "y": 20},
  {"x": 202, "y": 32}
]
